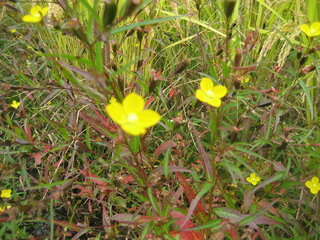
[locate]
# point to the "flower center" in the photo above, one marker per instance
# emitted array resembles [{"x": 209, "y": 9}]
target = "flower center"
[
  {"x": 210, "y": 93},
  {"x": 132, "y": 117}
]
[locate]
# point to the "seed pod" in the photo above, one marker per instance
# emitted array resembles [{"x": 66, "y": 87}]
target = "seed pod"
[{"x": 110, "y": 13}]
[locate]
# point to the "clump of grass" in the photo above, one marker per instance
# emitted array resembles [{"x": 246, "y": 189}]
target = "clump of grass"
[{"x": 84, "y": 162}]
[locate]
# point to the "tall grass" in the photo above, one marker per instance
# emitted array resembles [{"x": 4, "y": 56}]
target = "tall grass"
[{"x": 75, "y": 174}]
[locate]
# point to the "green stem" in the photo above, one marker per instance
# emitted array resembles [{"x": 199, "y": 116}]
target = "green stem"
[
  {"x": 214, "y": 129},
  {"x": 51, "y": 219},
  {"x": 139, "y": 169}
]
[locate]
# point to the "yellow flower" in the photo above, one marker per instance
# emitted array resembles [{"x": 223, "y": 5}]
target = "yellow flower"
[
  {"x": 208, "y": 93},
  {"x": 6, "y": 193},
  {"x": 15, "y": 104},
  {"x": 36, "y": 14},
  {"x": 131, "y": 116},
  {"x": 13, "y": 30},
  {"x": 313, "y": 185},
  {"x": 3, "y": 208},
  {"x": 312, "y": 30},
  {"x": 245, "y": 80},
  {"x": 253, "y": 179}
]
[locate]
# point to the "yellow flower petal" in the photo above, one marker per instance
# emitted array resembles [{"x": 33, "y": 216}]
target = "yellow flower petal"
[
  {"x": 32, "y": 18},
  {"x": 315, "y": 28},
  {"x": 200, "y": 95},
  {"x": 245, "y": 80},
  {"x": 6, "y": 193},
  {"x": 133, "y": 103},
  {"x": 44, "y": 11},
  {"x": 253, "y": 179},
  {"x": 35, "y": 10},
  {"x": 131, "y": 116},
  {"x": 305, "y": 28},
  {"x": 133, "y": 129},
  {"x": 220, "y": 91},
  {"x": 312, "y": 30},
  {"x": 215, "y": 102},
  {"x": 116, "y": 112},
  {"x": 15, "y": 104},
  {"x": 315, "y": 180},
  {"x": 308, "y": 184},
  {"x": 206, "y": 84},
  {"x": 149, "y": 118},
  {"x": 314, "y": 190},
  {"x": 36, "y": 14},
  {"x": 249, "y": 179}
]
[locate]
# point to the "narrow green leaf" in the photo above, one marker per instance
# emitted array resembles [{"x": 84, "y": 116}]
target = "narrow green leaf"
[
  {"x": 135, "y": 144},
  {"x": 99, "y": 58},
  {"x": 166, "y": 162},
  {"x": 213, "y": 225},
  {"x": 49, "y": 185},
  {"x": 310, "y": 113},
  {"x": 144, "y": 23},
  {"x": 239, "y": 159},
  {"x": 312, "y": 10},
  {"x": 151, "y": 199}
]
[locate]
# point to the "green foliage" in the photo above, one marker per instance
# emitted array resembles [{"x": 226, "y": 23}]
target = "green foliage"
[{"x": 74, "y": 173}]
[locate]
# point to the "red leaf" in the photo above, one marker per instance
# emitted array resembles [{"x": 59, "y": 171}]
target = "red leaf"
[
  {"x": 185, "y": 235},
  {"x": 172, "y": 92},
  {"x": 128, "y": 179},
  {"x": 160, "y": 170},
  {"x": 149, "y": 101},
  {"x": 204, "y": 155},
  {"x": 233, "y": 233},
  {"x": 93, "y": 178},
  {"x": 101, "y": 127},
  {"x": 37, "y": 157},
  {"x": 46, "y": 148},
  {"x": 106, "y": 122},
  {"x": 190, "y": 193},
  {"x": 90, "y": 206},
  {"x": 28, "y": 131},
  {"x": 163, "y": 147},
  {"x": 68, "y": 225}
]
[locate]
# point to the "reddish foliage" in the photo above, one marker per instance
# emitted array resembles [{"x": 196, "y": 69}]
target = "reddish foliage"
[
  {"x": 149, "y": 101},
  {"x": 189, "y": 192},
  {"x": 233, "y": 233},
  {"x": 163, "y": 147},
  {"x": 93, "y": 178},
  {"x": 37, "y": 157},
  {"x": 28, "y": 132},
  {"x": 185, "y": 235}
]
